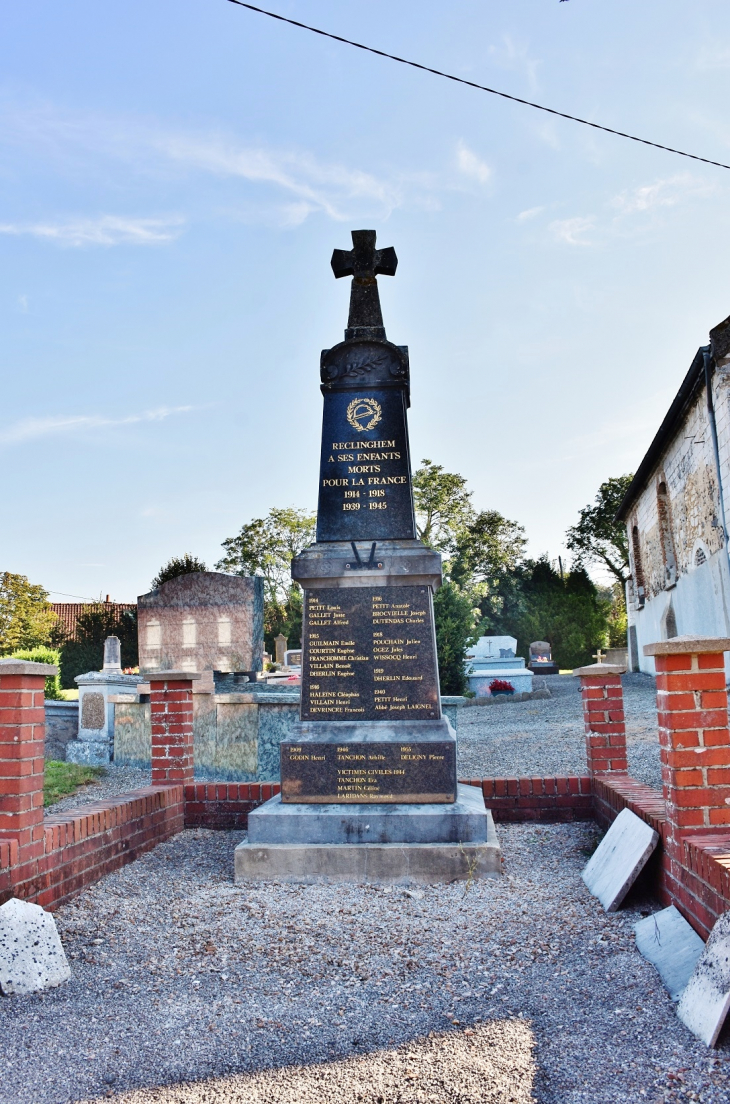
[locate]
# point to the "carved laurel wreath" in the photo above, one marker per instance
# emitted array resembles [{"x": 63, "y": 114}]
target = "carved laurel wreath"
[{"x": 364, "y": 414}]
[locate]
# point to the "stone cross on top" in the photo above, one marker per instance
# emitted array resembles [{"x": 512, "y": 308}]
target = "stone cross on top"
[{"x": 364, "y": 263}]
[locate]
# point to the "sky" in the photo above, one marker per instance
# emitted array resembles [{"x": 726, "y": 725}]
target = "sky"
[{"x": 174, "y": 177}]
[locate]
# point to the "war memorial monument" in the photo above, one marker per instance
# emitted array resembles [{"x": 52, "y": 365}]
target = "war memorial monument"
[{"x": 368, "y": 778}]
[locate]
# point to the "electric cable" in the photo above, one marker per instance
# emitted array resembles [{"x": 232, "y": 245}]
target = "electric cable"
[{"x": 480, "y": 87}]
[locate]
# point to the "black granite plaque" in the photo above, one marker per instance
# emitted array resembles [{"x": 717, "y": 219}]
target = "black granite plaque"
[
  {"x": 369, "y": 655},
  {"x": 368, "y": 773},
  {"x": 365, "y": 473}
]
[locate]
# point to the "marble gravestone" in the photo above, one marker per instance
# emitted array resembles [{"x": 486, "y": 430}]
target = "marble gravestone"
[
  {"x": 97, "y": 691},
  {"x": 372, "y": 750}
]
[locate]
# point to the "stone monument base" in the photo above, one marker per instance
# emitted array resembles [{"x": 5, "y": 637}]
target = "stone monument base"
[{"x": 366, "y": 844}]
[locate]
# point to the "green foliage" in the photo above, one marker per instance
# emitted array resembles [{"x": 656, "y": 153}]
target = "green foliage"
[
  {"x": 41, "y": 654},
  {"x": 618, "y": 626},
  {"x": 266, "y": 547},
  {"x": 85, "y": 652},
  {"x": 443, "y": 506},
  {"x": 26, "y": 617},
  {"x": 455, "y": 631},
  {"x": 598, "y": 537},
  {"x": 284, "y": 617},
  {"x": 178, "y": 565},
  {"x": 62, "y": 779},
  {"x": 539, "y": 604}
]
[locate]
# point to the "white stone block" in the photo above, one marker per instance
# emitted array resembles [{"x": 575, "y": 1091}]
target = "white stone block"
[
  {"x": 672, "y": 945},
  {"x": 704, "y": 1004},
  {"x": 619, "y": 859},
  {"x": 31, "y": 955}
]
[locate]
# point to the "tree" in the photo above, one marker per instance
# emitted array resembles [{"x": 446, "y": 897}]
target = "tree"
[
  {"x": 443, "y": 506},
  {"x": 26, "y": 617},
  {"x": 178, "y": 565},
  {"x": 566, "y": 610},
  {"x": 266, "y": 547},
  {"x": 598, "y": 537},
  {"x": 455, "y": 619},
  {"x": 85, "y": 651},
  {"x": 43, "y": 654}
]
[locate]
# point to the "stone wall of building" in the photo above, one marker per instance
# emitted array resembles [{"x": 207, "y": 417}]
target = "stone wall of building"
[{"x": 675, "y": 532}]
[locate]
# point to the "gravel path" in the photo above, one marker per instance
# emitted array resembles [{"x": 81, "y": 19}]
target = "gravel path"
[
  {"x": 114, "y": 781},
  {"x": 186, "y": 988},
  {"x": 518, "y": 739}
]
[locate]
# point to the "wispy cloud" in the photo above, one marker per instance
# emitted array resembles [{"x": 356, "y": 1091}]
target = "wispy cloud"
[
  {"x": 32, "y": 428},
  {"x": 662, "y": 193},
  {"x": 104, "y": 230},
  {"x": 571, "y": 231},
  {"x": 471, "y": 165},
  {"x": 530, "y": 213}
]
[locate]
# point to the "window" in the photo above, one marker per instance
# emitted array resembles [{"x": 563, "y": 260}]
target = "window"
[
  {"x": 154, "y": 634},
  {"x": 700, "y": 557},
  {"x": 665, "y": 535},
  {"x": 638, "y": 566},
  {"x": 190, "y": 633}
]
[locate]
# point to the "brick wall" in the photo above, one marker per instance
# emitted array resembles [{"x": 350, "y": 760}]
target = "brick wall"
[{"x": 545, "y": 799}]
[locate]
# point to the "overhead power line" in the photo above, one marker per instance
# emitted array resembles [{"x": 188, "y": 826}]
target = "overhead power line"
[{"x": 480, "y": 87}]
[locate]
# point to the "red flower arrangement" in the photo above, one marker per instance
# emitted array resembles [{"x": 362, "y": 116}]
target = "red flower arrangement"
[{"x": 499, "y": 685}]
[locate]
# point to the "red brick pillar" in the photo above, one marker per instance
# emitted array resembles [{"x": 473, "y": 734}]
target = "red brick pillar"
[
  {"x": 693, "y": 730},
  {"x": 603, "y": 714},
  {"x": 22, "y": 738},
  {"x": 171, "y": 713}
]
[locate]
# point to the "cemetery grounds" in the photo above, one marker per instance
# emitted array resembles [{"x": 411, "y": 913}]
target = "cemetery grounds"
[{"x": 186, "y": 988}]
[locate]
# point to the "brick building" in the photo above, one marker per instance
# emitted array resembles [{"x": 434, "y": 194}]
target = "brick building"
[{"x": 675, "y": 512}]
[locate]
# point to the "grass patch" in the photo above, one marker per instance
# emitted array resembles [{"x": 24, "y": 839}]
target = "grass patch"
[{"x": 63, "y": 779}]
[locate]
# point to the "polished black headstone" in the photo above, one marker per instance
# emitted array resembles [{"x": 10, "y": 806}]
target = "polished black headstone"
[
  {"x": 368, "y": 772},
  {"x": 369, "y": 655}
]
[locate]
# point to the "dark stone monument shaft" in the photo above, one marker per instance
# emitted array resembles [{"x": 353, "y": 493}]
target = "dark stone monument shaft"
[{"x": 371, "y": 729}]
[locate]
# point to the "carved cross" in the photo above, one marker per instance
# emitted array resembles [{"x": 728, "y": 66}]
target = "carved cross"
[
  {"x": 364, "y": 263},
  {"x": 599, "y": 657}
]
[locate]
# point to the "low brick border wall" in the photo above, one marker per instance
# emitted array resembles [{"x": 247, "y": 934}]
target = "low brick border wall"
[
  {"x": 551, "y": 800},
  {"x": 84, "y": 844}
]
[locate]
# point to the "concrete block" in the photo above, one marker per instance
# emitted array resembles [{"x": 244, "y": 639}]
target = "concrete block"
[
  {"x": 463, "y": 821},
  {"x": 619, "y": 859},
  {"x": 704, "y": 1004},
  {"x": 89, "y": 753},
  {"x": 31, "y": 955},
  {"x": 369, "y": 863},
  {"x": 672, "y": 945}
]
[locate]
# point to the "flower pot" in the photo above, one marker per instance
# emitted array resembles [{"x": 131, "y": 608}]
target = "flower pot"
[{"x": 498, "y": 693}]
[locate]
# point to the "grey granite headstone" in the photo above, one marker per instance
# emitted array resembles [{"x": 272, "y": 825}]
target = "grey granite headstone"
[
  {"x": 619, "y": 859},
  {"x": 672, "y": 945},
  {"x": 31, "y": 955},
  {"x": 113, "y": 654},
  {"x": 704, "y": 1004}
]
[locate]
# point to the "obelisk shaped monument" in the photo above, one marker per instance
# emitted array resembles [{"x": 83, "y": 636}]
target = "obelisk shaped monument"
[{"x": 368, "y": 774}]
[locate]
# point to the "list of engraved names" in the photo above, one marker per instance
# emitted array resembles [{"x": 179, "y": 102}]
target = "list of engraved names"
[{"x": 369, "y": 655}]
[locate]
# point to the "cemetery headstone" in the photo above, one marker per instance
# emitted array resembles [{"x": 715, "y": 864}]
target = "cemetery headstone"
[
  {"x": 672, "y": 945},
  {"x": 281, "y": 644},
  {"x": 541, "y": 659},
  {"x": 205, "y": 621},
  {"x": 495, "y": 658},
  {"x": 31, "y": 955},
  {"x": 705, "y": 1002},
  {"x": 372, "y": 749},
  {"x": 94, "y": 744},
  {"x": 619, "y": 859}
]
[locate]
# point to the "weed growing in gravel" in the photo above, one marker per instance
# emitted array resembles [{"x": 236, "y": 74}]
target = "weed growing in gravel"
[{"x": 66, "y": 778}]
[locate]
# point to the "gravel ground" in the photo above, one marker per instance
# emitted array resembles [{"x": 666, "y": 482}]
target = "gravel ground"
[
  {"x": 116, "y": 780},
  {"x": 186, "y": 988},
  {"x": 518, "y": 739}
]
